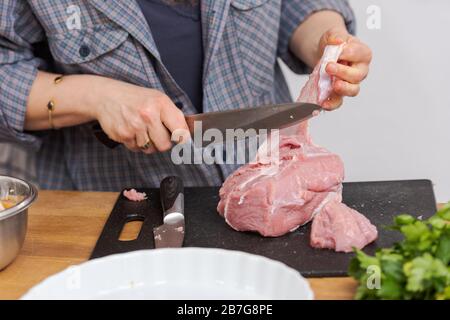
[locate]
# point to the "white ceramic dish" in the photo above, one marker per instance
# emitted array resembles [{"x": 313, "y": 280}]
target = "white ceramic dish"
[{"x": 187, "y": 273}]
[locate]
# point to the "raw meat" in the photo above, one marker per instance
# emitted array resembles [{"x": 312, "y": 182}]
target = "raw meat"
[
  {"x": 133, "y": 195},
  {"x": 276, "y": 197},
  {"x": 341, "y": 228}
]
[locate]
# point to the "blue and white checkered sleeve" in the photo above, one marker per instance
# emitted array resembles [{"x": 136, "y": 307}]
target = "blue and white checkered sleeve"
[
  {"x": 19, "y": 29},
  {"x": 294, "y": 12}
]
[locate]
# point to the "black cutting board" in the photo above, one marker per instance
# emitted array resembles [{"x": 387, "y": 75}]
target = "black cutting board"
[{"x": 379, "y": 201}]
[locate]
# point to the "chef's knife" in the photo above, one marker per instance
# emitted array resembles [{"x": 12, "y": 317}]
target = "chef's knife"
[
  {"x": 171, "y": 233},
  {"x": 276, "y": 116}
]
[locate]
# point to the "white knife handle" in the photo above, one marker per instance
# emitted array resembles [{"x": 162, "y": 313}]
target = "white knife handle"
[{"x": 172, "y": 199}]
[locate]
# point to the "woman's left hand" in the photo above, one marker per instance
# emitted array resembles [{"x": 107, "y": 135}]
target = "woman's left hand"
[{"x": 351, "y": 69}]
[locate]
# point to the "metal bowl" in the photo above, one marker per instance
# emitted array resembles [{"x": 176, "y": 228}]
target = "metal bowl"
[{"x": 13, "y": 221}]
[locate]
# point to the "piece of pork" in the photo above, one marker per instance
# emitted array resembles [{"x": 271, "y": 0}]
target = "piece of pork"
[
  {"x": 341, "y": 228},
  {"x": 275, "y": 197},
  {"x": 273, "y": 200},
  {"x": 133, "y": 195}
]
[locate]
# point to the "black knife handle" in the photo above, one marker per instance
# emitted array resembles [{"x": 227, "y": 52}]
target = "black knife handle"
[
  {"x": 103, "y": 137},
  {"x": 172, "y": 199}
]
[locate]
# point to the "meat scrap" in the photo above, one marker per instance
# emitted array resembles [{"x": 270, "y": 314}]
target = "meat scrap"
[
  {"x": 341, "y": 228},
  {"x": 133, "y": 195},
  {"x": 274, "y": 198}
]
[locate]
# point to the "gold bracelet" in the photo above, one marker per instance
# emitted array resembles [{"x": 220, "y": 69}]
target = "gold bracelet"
[
  {"x": 51, "y": 108},
  {"x": 51, "y": 104}
]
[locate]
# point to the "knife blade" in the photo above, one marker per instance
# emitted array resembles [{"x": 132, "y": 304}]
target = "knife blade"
[
  {"x": 276, "y": 116},
  {"x": 171, "y": 233},
  {"x": 268, "y": 117}
]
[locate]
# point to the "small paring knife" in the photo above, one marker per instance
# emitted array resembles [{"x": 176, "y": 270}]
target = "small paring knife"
[{"x": 171, "y": 233}]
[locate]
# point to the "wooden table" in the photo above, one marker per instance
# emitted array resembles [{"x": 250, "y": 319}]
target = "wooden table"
[{"x": 63, "y": 229}]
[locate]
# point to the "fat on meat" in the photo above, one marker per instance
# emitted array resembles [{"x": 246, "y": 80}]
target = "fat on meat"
[{"x": 304, "y": 183}]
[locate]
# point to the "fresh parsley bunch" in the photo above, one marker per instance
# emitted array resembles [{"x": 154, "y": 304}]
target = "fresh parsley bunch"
[{"x": 418, "y": 267}]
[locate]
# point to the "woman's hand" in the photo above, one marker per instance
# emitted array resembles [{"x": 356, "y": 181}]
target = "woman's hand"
[
  {"x": 351, "y": 69},
  {"x": 142, "y": 119},
  {"x": 328, "y": 28},
  {"x": 129, "y": 114}
]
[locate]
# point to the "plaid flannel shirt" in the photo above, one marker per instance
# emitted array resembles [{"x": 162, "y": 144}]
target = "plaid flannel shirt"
[{"x": 242, "y": 41}]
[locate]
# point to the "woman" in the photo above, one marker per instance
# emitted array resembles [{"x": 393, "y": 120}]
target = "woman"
[{"x": 137, "y": 66}]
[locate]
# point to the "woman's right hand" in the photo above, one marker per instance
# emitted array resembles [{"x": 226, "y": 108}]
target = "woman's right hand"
[{"x": 136, "y": 116}]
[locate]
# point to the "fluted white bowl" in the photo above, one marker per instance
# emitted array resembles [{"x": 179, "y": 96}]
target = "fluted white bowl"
[{"x": 186, "y": 273}]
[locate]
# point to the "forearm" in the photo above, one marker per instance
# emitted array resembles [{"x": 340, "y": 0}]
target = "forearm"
[
  {"x": 73, "y": 99},
  {"x": 304, "y": 42}
]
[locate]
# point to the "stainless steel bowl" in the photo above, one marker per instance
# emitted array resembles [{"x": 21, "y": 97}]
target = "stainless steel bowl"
[{"x": 13, "y": 221}]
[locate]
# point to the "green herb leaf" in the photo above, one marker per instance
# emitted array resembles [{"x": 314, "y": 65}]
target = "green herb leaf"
[
  {"x": 404, "y": 219},
  {"x": 444, "y": 212},
  {"x": 391, "y": 289},
  {"x": 425, "y": 273},
  {"x": 414, "y": 232},
  {"x": 418, "y": 267},
  {"x": 392, "y": 266},
  {"x": 443, "y": 247}
]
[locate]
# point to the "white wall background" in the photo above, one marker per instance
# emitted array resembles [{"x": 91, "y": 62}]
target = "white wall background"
[{"x": 399, "y": 126}]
